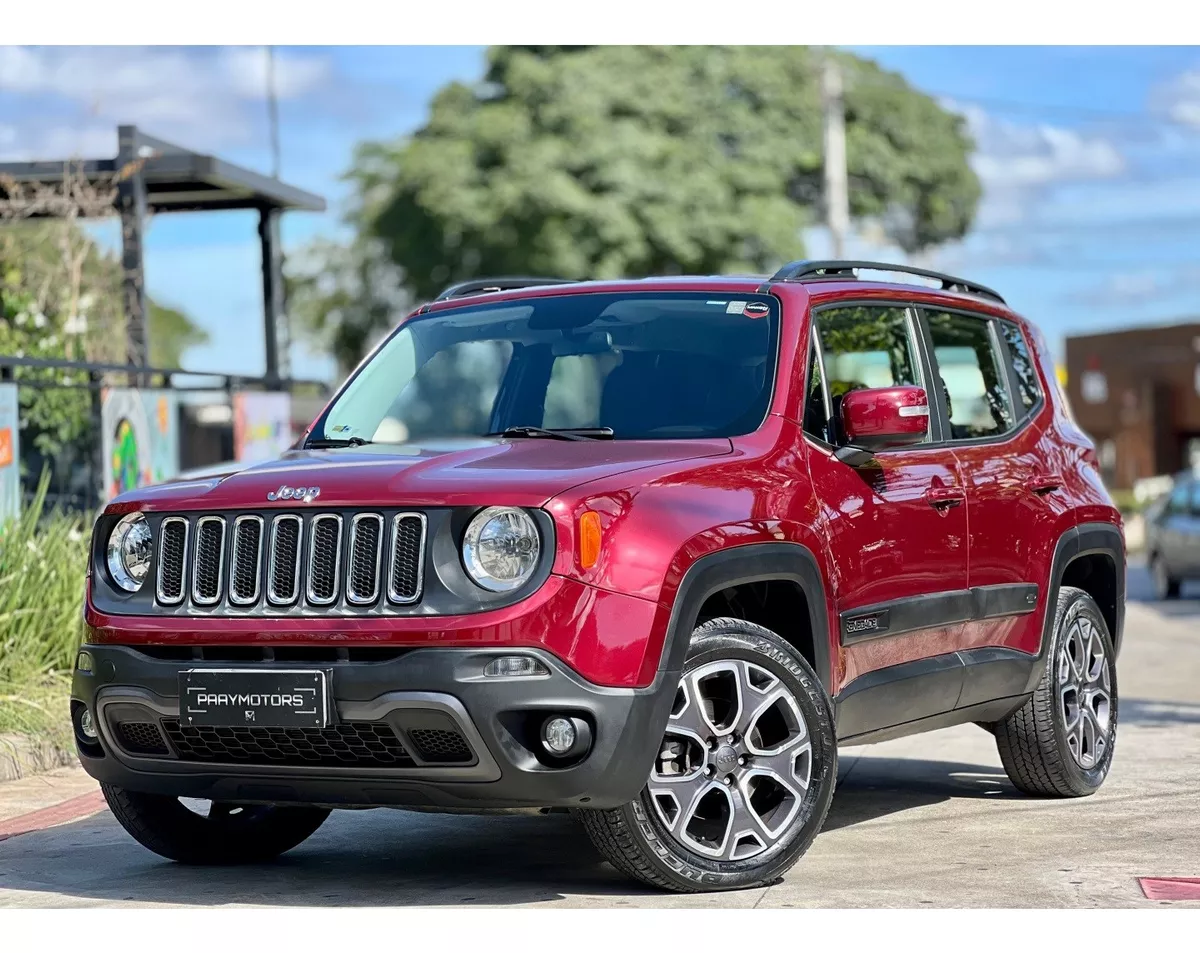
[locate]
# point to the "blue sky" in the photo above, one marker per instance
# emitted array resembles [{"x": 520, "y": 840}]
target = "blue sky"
[{"x": 1090, "y": 159}]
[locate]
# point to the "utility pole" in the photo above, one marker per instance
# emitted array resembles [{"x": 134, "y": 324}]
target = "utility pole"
[
  {"x": 837, "y": 195},
  {"x": 278, "y": 330},
  {"x": 273, "y": 111}
]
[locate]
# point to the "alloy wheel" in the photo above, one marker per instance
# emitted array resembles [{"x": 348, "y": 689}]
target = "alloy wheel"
[
  {"x": 1085, "y": 693},
  {"x": 735, "y": 762}
]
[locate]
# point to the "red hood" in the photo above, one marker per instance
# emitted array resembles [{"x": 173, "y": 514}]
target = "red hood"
[{"x": 523, "y": 472}]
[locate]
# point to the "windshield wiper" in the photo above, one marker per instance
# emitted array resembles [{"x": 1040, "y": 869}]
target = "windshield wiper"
[
  {"x": 323, "y": 444},
  {"x": 558, "y": 433}
]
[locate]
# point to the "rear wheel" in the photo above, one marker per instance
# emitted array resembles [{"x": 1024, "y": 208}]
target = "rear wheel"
[
  {"x": 1165, "y": 586},
  {"x": 745, "y": 773},
  {"x": 211, "y": 832},
  {"x": 1060, "y": 743}
]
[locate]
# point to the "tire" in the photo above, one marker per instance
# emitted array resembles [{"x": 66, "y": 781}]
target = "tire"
[
  {"x": 1165, "y": 585},
  {"x": 670, "y": 836},
  {"x": 1044, "y": 750},
  {"x": 230, "y": 834}
]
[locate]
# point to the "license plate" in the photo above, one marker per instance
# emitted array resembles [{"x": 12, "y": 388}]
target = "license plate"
[{"x": 267, "y": 698}]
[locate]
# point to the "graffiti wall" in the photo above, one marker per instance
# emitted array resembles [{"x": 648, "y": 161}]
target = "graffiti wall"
[
  {"x": 140, "y": 438},
  {"x": 262, "y": 426},
  {"x": 10, "y": 455}
]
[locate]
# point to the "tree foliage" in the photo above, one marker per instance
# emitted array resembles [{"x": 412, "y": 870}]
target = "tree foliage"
[
  {"x": 37, "y": 321},
  {"x": 631, "y": 160}
]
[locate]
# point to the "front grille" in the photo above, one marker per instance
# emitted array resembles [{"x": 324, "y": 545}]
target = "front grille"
[
  {"x": 408, "y": 557},
  {"x": 439, "y": 746},
  {"x": 355, "y": 743},
  {"x": 141, "y": 737},
  {"x": 324, "y": 559},
  {"x": 255, "y": 562},
  {"x": 246, "y": 566},
  {"x": 362, "y": 581},
  {"x": 209, "y": 561},
  {"x": 172, "y": 559},
  {"x": 283, "y": 578}
]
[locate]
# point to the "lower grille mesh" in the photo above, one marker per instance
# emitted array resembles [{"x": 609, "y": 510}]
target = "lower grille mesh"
[
  {"x": 362, "y": 743},
  {"x": 141, "y": 737},
  {"x": 439, "y": 746}
]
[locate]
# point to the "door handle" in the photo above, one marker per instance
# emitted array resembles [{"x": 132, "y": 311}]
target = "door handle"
[
  {"x": 1044, "y": 483},
  {"x": 942, "y": 497}
]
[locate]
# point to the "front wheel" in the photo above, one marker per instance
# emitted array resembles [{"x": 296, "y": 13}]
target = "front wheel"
[
  {"x": 745, "y": 773},
  {"x": 214, "y": 832}
]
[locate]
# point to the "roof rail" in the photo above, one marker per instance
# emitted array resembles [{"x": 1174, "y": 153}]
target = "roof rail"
[
  {"x": 484, "y": 285},
  {"x": 816, "y": 270}
]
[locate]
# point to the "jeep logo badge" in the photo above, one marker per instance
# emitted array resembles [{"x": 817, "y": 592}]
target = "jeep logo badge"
[{"x": 304, "y": 494}]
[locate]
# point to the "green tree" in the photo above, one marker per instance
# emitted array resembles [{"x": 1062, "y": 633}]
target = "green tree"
[
  {"x": 630, "y": 160},
  {"x": 36, "y": 321}
]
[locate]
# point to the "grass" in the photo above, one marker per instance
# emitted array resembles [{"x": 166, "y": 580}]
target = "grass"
[{"x": 43, "y": 562}]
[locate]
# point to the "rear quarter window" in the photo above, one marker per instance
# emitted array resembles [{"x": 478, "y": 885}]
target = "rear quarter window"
[{"x": 1029, "y": 390}]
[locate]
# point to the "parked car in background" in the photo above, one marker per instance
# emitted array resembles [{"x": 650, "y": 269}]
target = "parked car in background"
[{"x": 1173, "y": 536}]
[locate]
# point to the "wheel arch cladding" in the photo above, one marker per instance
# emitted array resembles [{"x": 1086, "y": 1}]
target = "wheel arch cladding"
[
  {"x": 789, "y": 576},
  {"x": 1091, "y": 557}
]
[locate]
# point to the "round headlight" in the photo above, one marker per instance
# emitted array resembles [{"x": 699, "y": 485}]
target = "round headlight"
[
  {"x": 129, "y": 547},
  {"x": 500, "y": 548}
]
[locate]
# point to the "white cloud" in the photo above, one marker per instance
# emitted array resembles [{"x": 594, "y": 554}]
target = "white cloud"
[
  {"x": 1179, "y": 99},
  {"x": 1017, "y": 162},
  {"x": 207, "y": 99},
  {"x": 1126, "y": 289}
]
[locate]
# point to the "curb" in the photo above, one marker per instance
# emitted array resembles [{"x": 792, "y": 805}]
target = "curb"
[
  {"x": 74, "y": 809},
  {"x": 22, "y": 756}
]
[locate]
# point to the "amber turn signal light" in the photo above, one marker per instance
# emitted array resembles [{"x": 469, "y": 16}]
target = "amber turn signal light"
[{"x": 589, "y": 539}]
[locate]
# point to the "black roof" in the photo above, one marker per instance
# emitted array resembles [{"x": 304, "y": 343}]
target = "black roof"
[{"x": 180, "y": 180}]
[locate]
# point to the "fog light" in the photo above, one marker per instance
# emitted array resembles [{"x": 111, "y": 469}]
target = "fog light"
[
  {"x": 84, "y": 663},
  {"x": 513, "y": 666},
  {"x": 87, "y": 726},
  {"x": 558, "y": 735}
]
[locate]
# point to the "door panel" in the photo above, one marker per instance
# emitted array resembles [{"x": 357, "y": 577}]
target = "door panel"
[
  {"x": 1016, "y": 522},
  {"x": 896, "y": 530},
  {"x": 891, "y": 548}
]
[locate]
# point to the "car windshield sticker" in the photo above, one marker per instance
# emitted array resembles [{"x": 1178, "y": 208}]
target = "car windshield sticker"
[
  {"x": 756, "y": 309},
  {"x": 719, "y": 304},
  {"x": 735, "y": 307}
]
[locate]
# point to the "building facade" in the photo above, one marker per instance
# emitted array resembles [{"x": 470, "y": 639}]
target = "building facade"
[{"x": 1137, "y": 393}]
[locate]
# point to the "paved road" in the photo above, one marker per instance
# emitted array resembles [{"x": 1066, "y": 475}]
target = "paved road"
[{"x": 930, "y": 820}]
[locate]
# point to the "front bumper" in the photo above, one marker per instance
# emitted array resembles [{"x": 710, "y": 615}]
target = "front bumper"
[{"x": 439, "y": 687}]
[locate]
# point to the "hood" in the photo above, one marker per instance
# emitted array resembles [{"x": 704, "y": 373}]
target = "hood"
[{"x": 460, "y": 472}]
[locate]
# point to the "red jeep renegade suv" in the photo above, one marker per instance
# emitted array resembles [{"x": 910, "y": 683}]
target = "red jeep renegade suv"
[{"x": 645, "y": 550}]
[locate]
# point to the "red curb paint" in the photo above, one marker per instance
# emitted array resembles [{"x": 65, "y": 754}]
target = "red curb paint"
[
  {"x": 77, "y": 807},
  {"x": 1170, "y": 888}
]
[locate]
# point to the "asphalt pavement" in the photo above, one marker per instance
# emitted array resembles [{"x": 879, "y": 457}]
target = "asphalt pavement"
[{"x": 923, "y": 821}]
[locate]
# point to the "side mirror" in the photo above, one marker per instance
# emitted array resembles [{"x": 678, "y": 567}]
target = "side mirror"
[{"x": 882, "y": 418}]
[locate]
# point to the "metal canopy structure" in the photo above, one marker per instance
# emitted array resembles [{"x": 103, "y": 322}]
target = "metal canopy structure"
[{"x": 153, "y": 176}]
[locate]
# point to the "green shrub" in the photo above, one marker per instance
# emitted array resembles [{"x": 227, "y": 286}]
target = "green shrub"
[{"x": 43, "y": 563}]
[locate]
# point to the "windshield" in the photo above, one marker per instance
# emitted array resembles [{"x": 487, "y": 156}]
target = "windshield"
[{"x": 648, "y": 366}]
